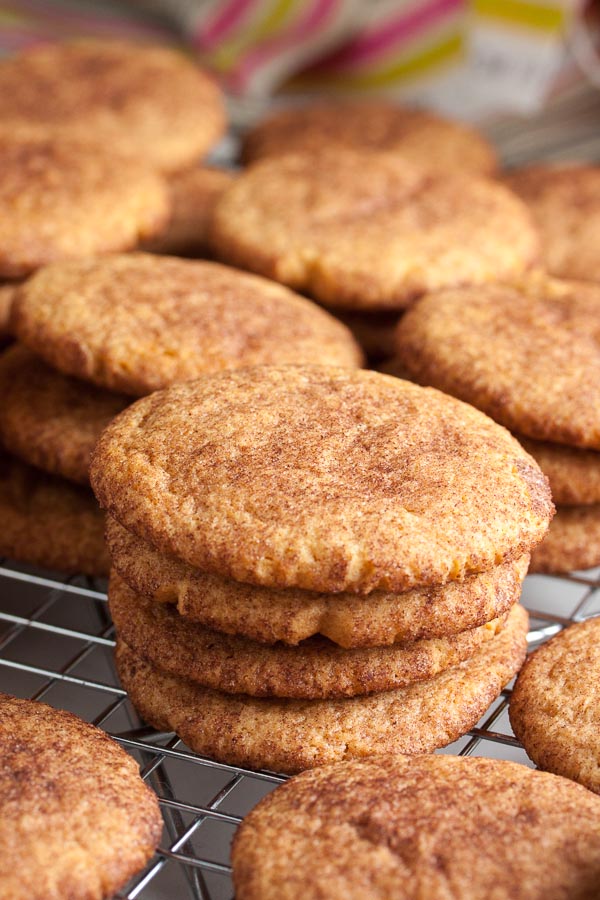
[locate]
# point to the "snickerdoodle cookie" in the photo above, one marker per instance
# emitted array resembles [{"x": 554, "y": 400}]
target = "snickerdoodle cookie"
[
  {"x": 416, "y": 135},
  {"x": 138, "y": 322},
  {"x": 291, "y": 735},
  {"x": 194, "y": 194},
  {"x": 49, "y": 522},
  {"x": 572, "y": 541},
  {"x": 555, "y": 705},
  {"x": 61, "y": 199},
  {"x": 322, "y": 478},
  {"x": 148, "y": 101},
  {"x": 370, "y": 231},
  {"x": 48, "y": 419},
  {"x": 315, "y": 669},
  {"x": 401, "y": 828},
  {"x": 291, "y": 616},
  {"x": 565, "y": 204},
  {"x": 527, "y": 354},
  {"x": 76, "y": 819},
  {"x": 573, "y": 473}
]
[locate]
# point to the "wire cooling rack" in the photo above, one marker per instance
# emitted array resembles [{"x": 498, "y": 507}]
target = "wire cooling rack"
[{"x": 56, "y": 645}]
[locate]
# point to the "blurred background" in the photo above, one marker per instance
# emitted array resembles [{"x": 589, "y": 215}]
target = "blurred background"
[{"x": 499, "y": 63}]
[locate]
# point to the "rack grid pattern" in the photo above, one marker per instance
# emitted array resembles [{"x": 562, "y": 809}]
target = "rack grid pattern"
[{"x": 56, "y": 643}]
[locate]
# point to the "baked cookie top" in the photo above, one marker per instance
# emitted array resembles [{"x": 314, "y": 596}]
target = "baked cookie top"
[
  {"x": 313, "y": 670},
  {"x": 76, "y": 819},
  {"x": 286, "y": 735},
  {"x": 370, "y": 230},
  {"x": 555, "y": 705},
  {"x": 527, "y": 354},
  {"x": 565, "y": 204},
  {"x": 349, "y": 620},
  {"x": 417, "y": 135},
  {"x": 51, "y": 420},
  {"x": 402, "y": 828},
  {"x": 62, "y": 198},
  {"x": 137, "y": 322},
  {"x": 194, "y": 193},
  {"x": 149, "y": 101},
  {"x": 49, "y": 522},
  {"x": 321, "y": 478}
]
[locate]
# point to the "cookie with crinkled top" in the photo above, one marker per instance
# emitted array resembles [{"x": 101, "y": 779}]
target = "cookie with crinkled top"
[
  {"x": 194, "y": 194},
  {"x": 76, "y": 819},
  {"x": 572, "y": 541},
  {"x": 573, "y": 473},
  {"x": 401, "y": 828},
  {"x": 62, "y": 198},
  {"x": 555, "y": 704},
  {"x": 291, "y": 735},
  {"x": 137, "y": 322},
  {"x": 414, "y": 134},
  {"x": 148, "y": 101},
  {"x": 527, "y": 354},
  {"x": 564, "y": 201},
  {"x": 49, "y": 522},
  {"x": 291, "y": 616},
  {"x": 321, "y": 478},
  {"x": 314, "y": 669},
  {"x": 370, "y": 231},
  {"x": 51, "y": 420}
]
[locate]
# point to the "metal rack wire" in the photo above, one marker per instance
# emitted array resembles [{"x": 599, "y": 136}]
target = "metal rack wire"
[{"x": 56, "y": 642}]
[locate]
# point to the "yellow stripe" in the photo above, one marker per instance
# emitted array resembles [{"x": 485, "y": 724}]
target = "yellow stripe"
[
  {"x": 276, "y": 17},
  {"x": 228, "y": 54},
  {"x": 399, "y": 71},
  {"x": 520, "y": 12}
]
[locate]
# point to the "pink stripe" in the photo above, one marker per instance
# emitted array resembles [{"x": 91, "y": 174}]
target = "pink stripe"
[
  {"x": 389, "y": 33},
  {"x": 212, "y": 32},
  {"x": 306, "y": 27}
]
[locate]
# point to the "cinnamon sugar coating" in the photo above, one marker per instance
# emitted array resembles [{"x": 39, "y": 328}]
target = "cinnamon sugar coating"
[
  {"x": 555, "y": 705},
  {"x": 565, "y": 204},
  {"x": 572, "y": 541},
  {"x": 292, "y": 735},
  {"x": 291, "y": 616},
  {"x": 148, "y": 101},
  {"x": 416, "y": 135},
  {"x": 315, "y": 669},
  {"x": 527, "y": 354},
  {"x": 137, "y": 322},
  {"x": 49, "y": 522},
  {"x": 400, "y": 828},
  {"x": 320, "y": 478},
  {"x": 48, "y": 419},
  {"x": 62, "y": 198},
  {"x": 573, "y": 473},
  {"x": 76, "y": 819},
  {"x": 370, "y": 231}
]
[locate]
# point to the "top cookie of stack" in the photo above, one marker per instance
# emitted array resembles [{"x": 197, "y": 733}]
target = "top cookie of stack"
[{"x": 274, "y": 504}]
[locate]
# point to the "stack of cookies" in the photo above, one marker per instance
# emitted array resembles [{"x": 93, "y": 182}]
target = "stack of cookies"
[
  {"x": 528, "y": 355},
  {"x": 95, "y": 334},
  {"x": 315, "y": 563}
]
